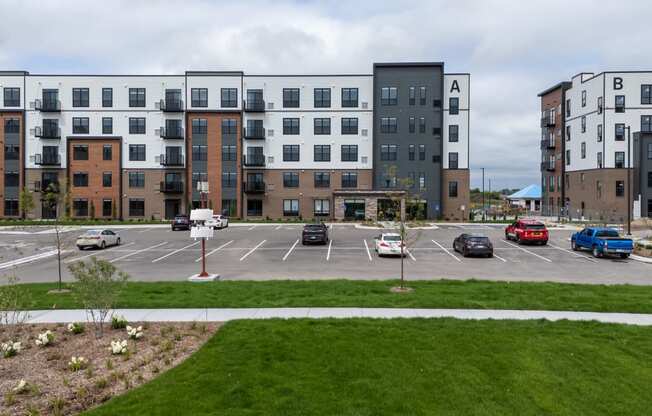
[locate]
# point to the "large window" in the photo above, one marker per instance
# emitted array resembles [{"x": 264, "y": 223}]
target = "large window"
[
  {"x": 322, "y": 153},
  {"x": 12, "y": 125},
  {"x": 80, "y": 97},
  {"x": 649, "y": 179},
  {"x": 290, "y": 207},
  {"x": 107, "y": 179},
  {"x": 349, "y": 153},
  {"x": 229, "y": 97},
  {"x": 11, "y": 207},
  {"x": 453, "y": 133},
  {"x": 322, "y": 97},
  {"x": 136, "y": 179},
  {"x": 452, "y": 189},
  {"x": 620, "y": 131},
  {"x": 199, "y": 97},
  {"x": 389, "y": 96},
  {"x": 322, "y": 126},
  {"x": 107, "y": 208},
  {"x": 322, "y": 180},
  {"x": 646, "y": 94},
  {"x": 80, "y": 207},
  {"x": 290, "y": 152},
  {"x": 422, "y": 95},
  {"x": 80, "y": 179},
  {"x": 229, "y": 179},
  {"x": 322, "y": 207},
  {"x": 12, "y": 152},
  {"x": 136, "y": 207},
  {"x": 453, "y": 105},
  {"x": 11, "y": 97},
  {"x": 349, "y": 179},
  {"x": 290, "y": 97},
  {"x": 349, "y": 97},
  {"x": 290, "y": 180},
  {"x": 388, "y": 125},
  {"x": 349, "y": 126},
  {"x": 619, "y": 103},
  {"x": 255, "y": 207},
  {"x": 199, "y": 152},
  {"x": 619, "y": 158},
  {"x": 422, "y": 124},
  {"x": 137, "y": 152},
  {"x": 388, "y": 152},
  {"x": 107, "y": 97},
  {"x": 107, "y": 152},
  {"x": 290, "y": 126},
  {"x": 649, "y": 151},
  {"x": 412, "y": 95},
  {"x": 107, "y": 125},
  {"x": 229, "y": 153},
  {"x": 199, "y": 126},
  {"x": 411, "y": 152},
  {"x": 412, "y": 125},
  {"x": 137, "y": 97},
  {"x": 422, "y": 152},
  {"x": 646, "y": 124},
  {"x": 80, "y": 152},
  {"x": 12, "y": 179},
  {"x": 229, "y": 126},
  {"x": 80, "y": 125},
  {"x": 136, "y": 125},
  {"x": 452, "y": 160}
]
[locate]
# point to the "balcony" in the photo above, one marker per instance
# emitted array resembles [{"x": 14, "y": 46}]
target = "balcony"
[
  {"x": 48, "y": 106},
  {"x": 171, "y": 106},
  {"x": 548, "y": 143},
  {"x": 47, "y": 160},
  {"x": 548, "y": 119},
  {"x": 43, "y": 186},
  {"x": 255, "y": 106},
  {"x": 171, "y": 160},
  {"x": 255, "y": 133},
  {"x": 549, "y": 165},
  {"x": 253, "y": 160},
  {"x": 256, "y": 187},
  {"x": 172, "y": 133},
  {"x": 173, "y": 187},
  {"x": 47, "y": 133}
]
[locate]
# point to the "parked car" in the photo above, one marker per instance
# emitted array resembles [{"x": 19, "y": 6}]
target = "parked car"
[
  {"x": 473, "y": 244},
  {"x": 314, "y": 233},
  {"x": 527, "y": 231},
  {"x": 218, "y": 222},
  {"x": 181, "y": 222},
  {"x": 98, "y": 239},
  {"x": 389, "y": 244},
  {"x": 602, "y": 241}
]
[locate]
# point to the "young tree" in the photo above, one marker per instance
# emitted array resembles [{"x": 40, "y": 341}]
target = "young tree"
[
  {"x": 25, "y": 202},
  {"x": 52, "y": 198}
]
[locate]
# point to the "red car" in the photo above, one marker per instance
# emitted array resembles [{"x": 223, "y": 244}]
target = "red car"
[{"x": 527, "y": 231}]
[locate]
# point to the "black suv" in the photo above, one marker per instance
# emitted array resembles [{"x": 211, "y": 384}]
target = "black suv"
[
  {"x": 181, "y": 222},
  {"x": 314, "y": 233}
]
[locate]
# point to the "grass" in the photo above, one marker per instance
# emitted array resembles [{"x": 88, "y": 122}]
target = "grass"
[
  {"x": 405, "y": 367},
  {"x": 330, "y": 293}
]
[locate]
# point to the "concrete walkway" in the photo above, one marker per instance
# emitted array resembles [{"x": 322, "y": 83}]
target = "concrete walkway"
[{"x": 228, "y": 314}]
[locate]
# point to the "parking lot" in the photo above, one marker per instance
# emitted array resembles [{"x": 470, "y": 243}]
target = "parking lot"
[{"x": 273, "y": 251}]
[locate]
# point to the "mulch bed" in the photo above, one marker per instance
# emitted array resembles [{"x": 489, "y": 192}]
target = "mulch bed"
[{"x": 54, "y": 389}]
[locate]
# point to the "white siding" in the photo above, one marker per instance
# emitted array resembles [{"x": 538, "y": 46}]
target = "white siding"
[{"x": 461, "y": 119}]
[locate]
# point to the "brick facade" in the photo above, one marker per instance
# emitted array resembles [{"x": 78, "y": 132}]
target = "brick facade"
[{"x": 452, "y": 206}]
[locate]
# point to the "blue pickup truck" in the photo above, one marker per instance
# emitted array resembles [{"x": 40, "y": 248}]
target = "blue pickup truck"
[{"x": 602, "y": 241}]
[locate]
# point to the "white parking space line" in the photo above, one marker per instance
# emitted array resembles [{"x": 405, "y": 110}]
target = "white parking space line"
[
  {"x": 447, "y": 251},
  {"x": 175, "y": 251},
  {"x": 145, "y": 230},
  {"x": 500, "y": 258},
  {"x": 528, "y": 251},
  {"x": 74, "y": 259},
  {"x": 328, "y": 255},
  {"x": 573, "y": 253},
  {"x": 137, "y": 252},
  {"x": 28, "y": 259},
  {"x": 290, "y": 250},
  {"x": 215, "y": 250},
  {"x": 279, "y": 227},
  {"x": 410, "y": 254},
  {"x": 249, "y": 229},
  {"x": 367, "y": 247},
  {"x": 252, "y": 250}
]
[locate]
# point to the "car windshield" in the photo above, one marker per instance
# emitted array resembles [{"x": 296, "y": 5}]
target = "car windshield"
[
  {"x": 93, "y": 232},
  {"x": 314, "y": 227},
  {"x": 392, "y": 238},
  {"x": 535, "y": 226},
  {"x": 607, "y": 233},
  {"x": 479, "y": 239}
]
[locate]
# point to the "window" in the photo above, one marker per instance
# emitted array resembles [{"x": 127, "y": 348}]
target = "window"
[
  {"x": 422, "y": 95},
  {"x": 199, "y": 126},
  {"x": 290, "y": 126},
  {"x": 80, "y": 179},
  {"x": 322, "y": 180},
  {"x": 599, "y": 132},
  {"x": 290, "y": 207},
  {"x": 137, "y": 152},
  {"x": 107, "y": 179},
  {"x": 646, "y": 124},
  {"x": 199, "y": 97},
  {"x": 107, "y": 125},
  {"x": 568, "y": 133},
  {"x": 388, "y": 125},
  {"x": 255, "y": 207},
  {"x": 649, "y": 151},
  {"x": 136, "y": 97},
  {"x": 584, "y": 98},
  {"x": 619, "y": 157},
  {"x": 568, "y": 108},
  {"x": 620, "y": 103},
  {"x": 107, "y": 208},
  {"x": 583, "y": 124},
  {"x": 389, "y": 96},
  {"x": 229, "y": 179},
  {"x": 583, "y": 150},
  {"x": 12, "y": 152},
  {"x": 388, "y": 152},
  {"x": 290, "y": 180},
  {"x": 422, "y": 124},
  {"x": 349, "y": 179},
  {"x": 107, "y": 152},
  {"x": 12, "y": 125},
  {"x": 349, "y": 97},
  {"x": 12, "y": 97},
  {"x": 322, "y": 153},
  {"x": 412, "y": 95},
  {"x": 136, "y": 125},
  {"x": 620, "y": 188},
  {"x": 620, "y": 132},
  {"x": 80, "y": 207},
  {"x": 568, "y": 157},
  {"x": 422, "y": 152},
  {"x": 452, "y": 160},
  {"x": 11, "y": 207},
  {"x": 51, "y": 154},
  {"x": 229, "y": 207},
  {"x": 229, "y": 153},
  {"x": 290, "y": 153},
  {"x": 12, "y": 179},
  {"x": 422, "y": 180},
  {"x": 229, "y": 97},
  {"x": 136, "y": 207},
  {"x": 453, "y": 133},
  {"x": 349, "y": 153},
  {"x": 107, "y": 97},
  {"x": 350, "y": 125},
  {"x": 452, "y": 189},
  {"x": 322, "y": 126},
  {"x": 136, "y": 179},
  {"x": 389, "y": 181},
  {"x": 453, "y": 105},
  {"x": 649, "y": 179},
  {"x": 80, "y": 97},
  {"x": 290, "y": 97},
  {"x": 322, "y": 97},
  {"x": 646, "y": 94},
  {"x": 80, "y": 152},
  {"x": 599, "y": 157},
  {"x": 229, "y": 126},
  {"x": 411, "y": 152},
  {"x": 199, "y": 152},
  {"x": 600, "y": 105},
  {"x": 80, "y": 125},
  {"x": 412, "y": 125},
  {"x": 322, "y": 207}
]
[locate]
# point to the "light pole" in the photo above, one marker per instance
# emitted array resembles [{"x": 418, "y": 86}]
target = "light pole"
[
  {"x": 483, "y": 210},
  {"x": 629, "y": 182}
]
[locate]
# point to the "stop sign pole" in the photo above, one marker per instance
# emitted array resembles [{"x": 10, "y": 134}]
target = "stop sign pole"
[
  {"x": 201, "y": 231},
  {"x": 202, "y": 197}
]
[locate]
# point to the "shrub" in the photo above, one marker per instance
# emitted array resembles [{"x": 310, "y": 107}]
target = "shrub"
[
  {"x": 135, "y": 333},
  {"x": 118, "y": 347},
  {"x": 45, "y": 338},
  {"x": 14, "y": 303},
  {"x": 9, "y": 349},
  {"x": 76, "y": 327},
  {"x": 77, "y": 363},
  {"x": 118, "y": 322}
]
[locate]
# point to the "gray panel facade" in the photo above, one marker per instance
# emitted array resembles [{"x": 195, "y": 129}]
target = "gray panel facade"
[
  {"x": 12, "y": 166},
  {"x": 643, "y": 171},
  {"x": 404, "y": 76}
]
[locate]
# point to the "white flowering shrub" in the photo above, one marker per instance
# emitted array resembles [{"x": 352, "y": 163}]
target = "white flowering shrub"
[
  {"x": 77, "y": 363},
  {"x": 44, "y": 339},
  {"x": 76, "y": 327},
  {"x": 118, "y": 347},
  {"x": 9, "y": 349},
  {"x": 21, "y": 387},
  {"x": 135, "y": 333}
]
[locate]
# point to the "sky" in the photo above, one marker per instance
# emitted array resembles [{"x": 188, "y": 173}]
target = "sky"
[{"x": 513, "y": 49}]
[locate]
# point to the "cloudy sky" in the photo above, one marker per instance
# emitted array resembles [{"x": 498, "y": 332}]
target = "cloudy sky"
[{"x": 513, "y": 49}]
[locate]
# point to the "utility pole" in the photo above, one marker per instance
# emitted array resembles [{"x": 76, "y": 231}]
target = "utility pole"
[
  {"x": 629, "y": 181},
  {"x": 483, "y": 208}
]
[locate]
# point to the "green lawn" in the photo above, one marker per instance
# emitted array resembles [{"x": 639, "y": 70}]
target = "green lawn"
[
  {"x": 325, "y": 293},
  {"x": 405, "y": 367}
]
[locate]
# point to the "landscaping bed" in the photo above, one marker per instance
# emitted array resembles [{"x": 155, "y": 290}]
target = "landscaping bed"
[{"x": 55, "y": 386}]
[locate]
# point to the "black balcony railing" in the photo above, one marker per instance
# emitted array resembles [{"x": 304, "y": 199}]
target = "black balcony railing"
[
  {"x": 171, "y": 133},
  {"x": 254, "y": 160},
  {"x": 46, "y": 186},
  {"x": 47, "y": 132},
  {"x": 549, "y": 166},
  {"x": 47, "y": 160},
  {"x": 254, "y": 133},
  {"x": 171, "y": 160},
  {"x": 48, "y": 105},
  {"x": 172, "y": 105},
  {"x": 548, "y": 143},
  {"x": 175, "y": 187},
  {"x": 254, "y": 106},
  {"x": 547, "y": 120},
  {"x": 255, "y": 187}
]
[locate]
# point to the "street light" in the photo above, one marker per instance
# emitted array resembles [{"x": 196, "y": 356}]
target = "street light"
[
  {"x": 629, "y": 182},
  {"x": 483, "y": 209}
]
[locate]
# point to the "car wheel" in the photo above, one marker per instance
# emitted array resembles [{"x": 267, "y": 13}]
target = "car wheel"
[
  {"x": 507, "y": 237},
  {"x": 518, "y": 239},
  {"x": 465, "y": 253},
  {"x": 574, "y": 246},
  {"x": 490, "y": 255},
  {"x": 543, "y": 243},
  {"x": 596, "y": 252},
  {"x": 624, "y": 255},
  {"x": 103, "y": 245},
  {"x": 80, "y": 247},
  {"x": 117, "y": 242}
]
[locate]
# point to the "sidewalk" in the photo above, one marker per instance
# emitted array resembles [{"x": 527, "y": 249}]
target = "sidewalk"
[{"x": 228, "y": 314}]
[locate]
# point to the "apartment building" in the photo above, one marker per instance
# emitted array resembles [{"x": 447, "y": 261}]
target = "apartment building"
[
  {"x": 601, "y": 112},
  {"x": 643, "y": 173},
  {"x": 277, "y": 146}
]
